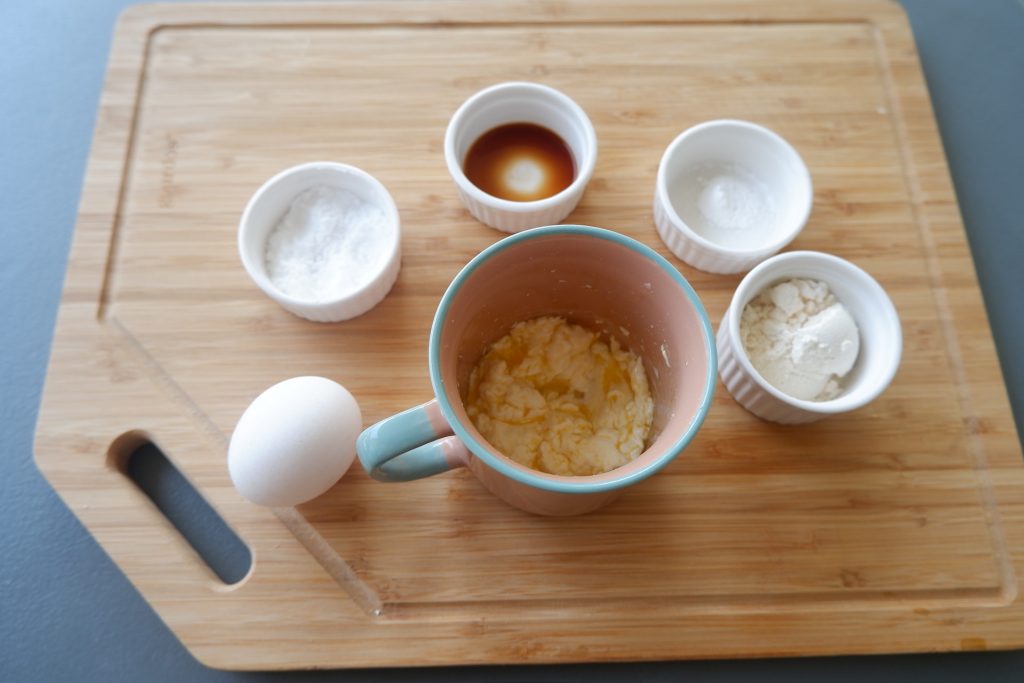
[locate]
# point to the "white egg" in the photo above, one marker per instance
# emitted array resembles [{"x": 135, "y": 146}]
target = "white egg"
[{"x": 294, "y": 441}]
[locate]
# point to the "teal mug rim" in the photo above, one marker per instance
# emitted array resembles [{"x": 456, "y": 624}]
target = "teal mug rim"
[{"x": 569, "y": 484}]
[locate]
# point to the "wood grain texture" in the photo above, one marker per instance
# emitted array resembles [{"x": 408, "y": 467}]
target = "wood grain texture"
[{"x": 899, "y": 527}]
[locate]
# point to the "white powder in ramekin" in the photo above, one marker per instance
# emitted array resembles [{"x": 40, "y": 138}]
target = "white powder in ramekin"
[
  {"x": 800, "y": 339},
  {"x": 329, "y": 244},
  {"x": 726, "y": 204}
]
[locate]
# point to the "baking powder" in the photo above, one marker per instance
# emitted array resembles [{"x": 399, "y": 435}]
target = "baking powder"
[{"x": 726, "y": 204}]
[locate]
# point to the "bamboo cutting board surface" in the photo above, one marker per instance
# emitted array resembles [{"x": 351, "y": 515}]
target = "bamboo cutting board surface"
[{"x": 899, "y": 527}]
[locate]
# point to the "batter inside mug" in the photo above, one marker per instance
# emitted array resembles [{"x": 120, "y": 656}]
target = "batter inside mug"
[{"x": 559, "y": 398}]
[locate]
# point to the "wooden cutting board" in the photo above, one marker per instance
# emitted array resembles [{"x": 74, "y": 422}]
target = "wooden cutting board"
[{"x": 899, "y": 527}]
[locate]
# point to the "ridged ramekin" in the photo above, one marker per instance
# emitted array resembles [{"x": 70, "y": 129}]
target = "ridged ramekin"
[
  {"x": 519, "y": 102},
  {"x": 881, "y": 340},
  {"x": 266, "y": 208},
  {"x": 758, "y": 151}
]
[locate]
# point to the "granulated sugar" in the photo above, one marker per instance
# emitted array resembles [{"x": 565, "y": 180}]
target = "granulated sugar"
[{"x": 327, "y": 245}]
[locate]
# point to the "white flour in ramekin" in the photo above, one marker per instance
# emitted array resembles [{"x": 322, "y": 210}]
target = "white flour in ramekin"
[{"x": 800, "y": 339}]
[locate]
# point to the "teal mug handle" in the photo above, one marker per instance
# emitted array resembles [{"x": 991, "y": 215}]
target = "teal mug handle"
[{"x": 413, "y": 444}]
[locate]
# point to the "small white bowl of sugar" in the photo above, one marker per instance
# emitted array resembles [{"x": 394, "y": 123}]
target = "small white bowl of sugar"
[
  {"x": 808, "y": 335},
  {"x": 730, "y": 194},
  {"x": 323, "y": 240}
]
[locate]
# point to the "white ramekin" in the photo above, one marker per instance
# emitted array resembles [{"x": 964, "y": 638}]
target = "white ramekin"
[
  {"x": 519, "y": 102},
  {"x": 881, "y": 340},
  {"x": 269, "y": 204},
  {"x": 759, "y": 152}
]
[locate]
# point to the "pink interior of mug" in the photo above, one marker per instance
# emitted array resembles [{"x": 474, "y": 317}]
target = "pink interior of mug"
[{"x": 604, "y": 285}]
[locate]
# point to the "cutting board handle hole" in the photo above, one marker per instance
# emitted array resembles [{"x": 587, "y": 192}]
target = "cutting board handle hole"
[{"x": 144, "y": 463}]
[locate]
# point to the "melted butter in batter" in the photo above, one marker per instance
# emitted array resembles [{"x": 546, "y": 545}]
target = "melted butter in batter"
[{"x": 558, "y": 398}]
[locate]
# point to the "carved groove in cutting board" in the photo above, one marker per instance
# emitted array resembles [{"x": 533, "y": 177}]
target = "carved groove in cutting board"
[
  {"x": 975, "y": 449},
  {"x": 395, "y": 603}
]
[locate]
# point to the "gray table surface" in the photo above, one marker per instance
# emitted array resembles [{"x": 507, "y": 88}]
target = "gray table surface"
[{"x": 67, "y": 613}]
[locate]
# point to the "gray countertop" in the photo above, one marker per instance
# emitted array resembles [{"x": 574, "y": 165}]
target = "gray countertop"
[{"x": 67, "y": 613}]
